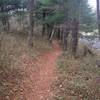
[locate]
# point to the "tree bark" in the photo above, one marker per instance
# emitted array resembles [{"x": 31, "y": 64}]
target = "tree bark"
[
  {"x": 75, "y": 30},
  {"x": 98, "y": 17},
  {"x": 49, "y": 31},
  {"x": 8, "y": 25},
  {"x": 31, "y": 22},
  {"x": 65, "y": 36},
  {"x": 44, "y": 25}
]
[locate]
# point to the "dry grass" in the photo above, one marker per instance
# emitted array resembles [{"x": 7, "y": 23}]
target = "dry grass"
[
  {"x": 12, "y": 47},
  {"x": 78, "y": 79}
]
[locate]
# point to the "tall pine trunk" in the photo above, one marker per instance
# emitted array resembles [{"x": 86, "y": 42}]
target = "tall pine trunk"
[
  {"x": 65, "y": 37},
  {"x": 75, "y": 31},
  {"x": 98, "y": 16},
  {"x": 31, "y": 22},
  {"x": 43, "y": 25}
]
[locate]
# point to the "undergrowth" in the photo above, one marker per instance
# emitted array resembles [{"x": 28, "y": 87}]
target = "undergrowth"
[
  {"x": 12, "y": 48},
  {"x": 78, "y": 79}
]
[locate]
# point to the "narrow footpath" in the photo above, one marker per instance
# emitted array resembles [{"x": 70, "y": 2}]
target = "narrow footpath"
[{"x": 40, "y": 74}]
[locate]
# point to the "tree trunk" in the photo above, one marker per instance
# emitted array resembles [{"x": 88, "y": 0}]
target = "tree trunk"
[
  {"x": 44, "y": 25},
  {"x": 5, "y": 23},
  {"x": 49, "y": 31},
  {"x": 43, "y": 30},
  {"x": 64, "y": 37},
  {"x": 64, "y": 40},
  {"x": 75, "y": 31},
  {"x": 98, "y": 16},
  {"x": 8, "y": 25},
  {"x": 31, "y": 22}
]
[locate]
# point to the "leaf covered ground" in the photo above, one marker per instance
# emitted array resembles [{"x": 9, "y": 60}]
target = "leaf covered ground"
[
  {"x": 78, "y": 79},
  {"x": 12, "y": 49}
]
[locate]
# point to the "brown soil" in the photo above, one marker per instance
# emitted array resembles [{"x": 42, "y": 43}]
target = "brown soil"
[{"x": 39, "y": 75}]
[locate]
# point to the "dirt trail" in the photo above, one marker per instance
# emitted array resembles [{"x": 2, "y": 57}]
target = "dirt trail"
[{"x": 40, "y": 74}]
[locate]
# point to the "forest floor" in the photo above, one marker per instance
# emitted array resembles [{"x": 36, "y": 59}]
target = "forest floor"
[
  {"x": 26, "y": 74},
  {"x": 78, "y": 79},
  {"x": 40, "y": 75},
  {"x": 45, "y": 72}
]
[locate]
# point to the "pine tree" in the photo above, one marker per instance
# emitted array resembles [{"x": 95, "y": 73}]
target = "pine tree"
[
  {"x": 98, "y": 16},
  {"x": 31, "y": 22}
]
